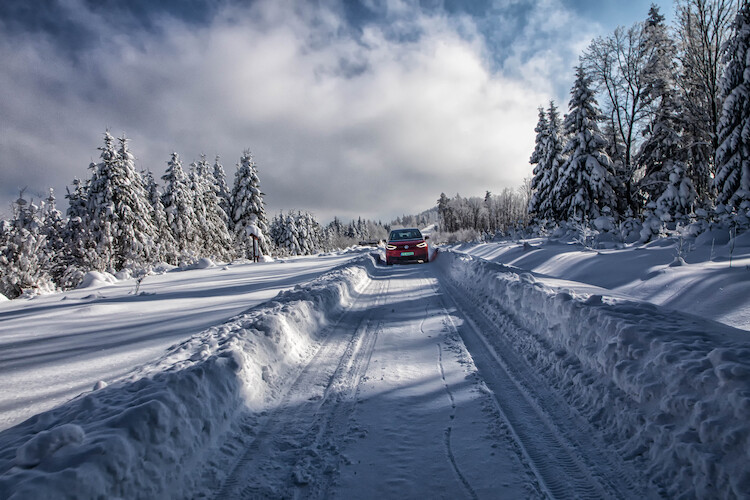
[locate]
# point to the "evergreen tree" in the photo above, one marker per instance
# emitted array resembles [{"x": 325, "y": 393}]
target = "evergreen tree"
[
  {"x": 120, "y": 218},
  {"x": 248, "y": 213},
  {"x": 585, "y": 188},
  {"x": 540, "y": 143},
  {"x": 211, "y": 220},
  {"x": 166, "y": 246},
  {"x": 676, "y": 202},
  {"x": 80, "y": 247},
  {"x": 549, "y": 162},
  {"x": 664, "y": 154},
  {"x": 290, "y": 237},
  {"x": 222, "y": 190},
  {"x": 733, "y": 154},
  {"x": 53, "y": 229},
  {"x": 309, "y": 233},
  {"x": 24, "y": 261},
  {"x": 276, "y": 232},
  {"x": 178, "y": 205}
]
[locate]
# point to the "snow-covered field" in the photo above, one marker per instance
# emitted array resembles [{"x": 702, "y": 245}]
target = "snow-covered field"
[
  {"x": 510, "y": 369},
  {"x": 54, "y": 347}
]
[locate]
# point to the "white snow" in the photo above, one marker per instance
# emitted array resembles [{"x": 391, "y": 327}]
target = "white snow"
[
  {"x": 142, "y": 436},
  {"x": 706, "y": 286},
  {"x": 54, "y": 347},
  {"x": 672, "y": 386},
  {"x": 655, "y": 357}
]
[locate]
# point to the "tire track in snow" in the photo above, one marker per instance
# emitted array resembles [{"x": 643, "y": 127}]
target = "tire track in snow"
[
  {"x": 449, "y": 429},
  {"x": 557, "y": 464},
  {"x": 295, "y": 445}
]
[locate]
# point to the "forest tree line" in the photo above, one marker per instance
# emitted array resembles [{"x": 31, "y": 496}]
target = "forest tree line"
[
  {"x": 657, "y": 124},
  {"x": 121, "y": 219}
]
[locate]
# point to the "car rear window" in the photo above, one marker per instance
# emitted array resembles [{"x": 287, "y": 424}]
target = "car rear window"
[{"x": 405, "y": 234}]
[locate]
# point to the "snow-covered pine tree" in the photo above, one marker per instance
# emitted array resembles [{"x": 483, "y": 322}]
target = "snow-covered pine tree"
[
  {"x": 549, "y": 159},
  {"x": 24, "y": 261},
  {"x": 585, "y": 188},
  {"x": 276, "y": 233},
  {"x": 676, "y": 202},
  {"x": 53, "y": 229},
  {"x": 120, "y": 217},
  {"x": 732, "y": 180},
  {"x": 80, "y": 247},
  {"x": 664, "y": 153},
  {"x": 540, "y": 143},
  {"x": 211, "y": 220},
  {"x": 178, "y": 205},
  {"x": 166, "y": 246},
  {"x": 5, "y": 234},
  {"x": 248, "y": 213},
  {"x": 309, "y": 233},
  {"x": 290, "y": 239},
  {"x": 136, "y": 236},
  {"x": 99, "y": 203},
  {"x": 222, "y": 190}
]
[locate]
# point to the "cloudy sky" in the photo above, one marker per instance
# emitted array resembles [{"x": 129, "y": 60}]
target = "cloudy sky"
[{"x": 366, "y": 107}]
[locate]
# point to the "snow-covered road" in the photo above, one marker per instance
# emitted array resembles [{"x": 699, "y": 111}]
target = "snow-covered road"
[
  {"x": 393, "y": 405},
  {"x": 461, "y": 378}
]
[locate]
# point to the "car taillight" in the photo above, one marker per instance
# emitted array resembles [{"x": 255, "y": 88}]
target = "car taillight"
[
  {"x": 422, "y": 245},
  {"x": 390, "y": 247}
]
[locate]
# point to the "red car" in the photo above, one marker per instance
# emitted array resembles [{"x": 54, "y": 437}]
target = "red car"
[{"x": 406, "y": 245}]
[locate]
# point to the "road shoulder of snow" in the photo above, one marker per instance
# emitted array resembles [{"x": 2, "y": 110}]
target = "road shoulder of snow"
[
  {"x": 142, "y": 437},
  {"x": 671, "y": 389}
]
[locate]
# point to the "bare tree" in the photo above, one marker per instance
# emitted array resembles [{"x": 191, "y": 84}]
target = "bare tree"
[
  {"x": 617, "y": 65},
  {"x": 703, "y": 27}
]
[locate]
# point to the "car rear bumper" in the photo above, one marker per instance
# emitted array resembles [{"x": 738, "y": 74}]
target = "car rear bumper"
[{"x": 397, "y": 257}]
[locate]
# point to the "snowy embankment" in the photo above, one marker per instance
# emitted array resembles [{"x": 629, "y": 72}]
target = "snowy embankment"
[
  {"x": 142, "y": 437},
  {"x": 672, "y": 389}
]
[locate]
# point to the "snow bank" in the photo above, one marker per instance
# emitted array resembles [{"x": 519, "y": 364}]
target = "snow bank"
[
  {"x": 93, "y": 279},
  {"x": 141, "y": 438},
  {"x": 671, "y": 389}
]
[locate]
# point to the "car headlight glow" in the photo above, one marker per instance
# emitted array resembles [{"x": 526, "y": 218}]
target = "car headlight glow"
[
  {"x": 422, "y": 245},
  {"x": 390, "y": 247}
]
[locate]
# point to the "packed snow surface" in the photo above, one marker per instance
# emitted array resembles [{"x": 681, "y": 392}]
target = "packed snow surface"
[{"x": 462, "y": 377}]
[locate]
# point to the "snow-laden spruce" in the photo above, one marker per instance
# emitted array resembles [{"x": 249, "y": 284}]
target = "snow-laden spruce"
[
  {"x": 733, "y": 154},
  {"x": 248, "y": 212},
  {"x": 585, "y": 188},
  {"x": 548, "y": 159},
  {"x": 166, "y": 246},
  {"x": 120, "y": 219},
  {"x": 222, "y": 190},
  {"x": 214, "y": 239},
  {"x": 178, "y": 205},
  {"x": 24, "y": 259}
]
